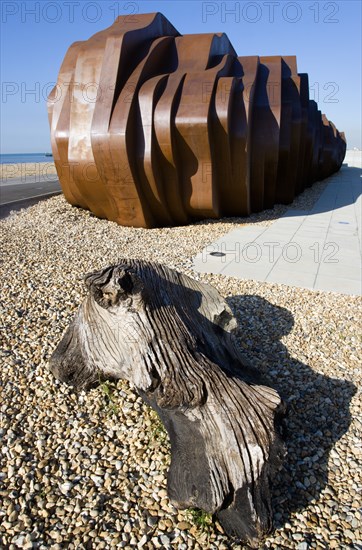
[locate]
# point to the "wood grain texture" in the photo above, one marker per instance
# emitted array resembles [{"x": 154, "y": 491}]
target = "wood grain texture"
[{"x": 172, "y": 338}]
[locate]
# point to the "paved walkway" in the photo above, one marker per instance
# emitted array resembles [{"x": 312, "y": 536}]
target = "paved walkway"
[
  {"x": 17, "y": 193},
  {"x": 318, "y": 249}
]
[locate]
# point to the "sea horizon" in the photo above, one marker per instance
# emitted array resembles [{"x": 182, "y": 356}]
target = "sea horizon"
[{"x": 23, "y": 158}]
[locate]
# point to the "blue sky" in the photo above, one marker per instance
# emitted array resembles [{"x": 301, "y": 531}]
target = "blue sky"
[{"x": 325, "y": 36}]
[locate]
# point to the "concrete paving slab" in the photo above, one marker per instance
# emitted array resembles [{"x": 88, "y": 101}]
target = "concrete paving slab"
[
  {"x": 318, "y": 249},
  {"x": 338, "y": 284},
  {"x": 247, "y": 269},
  {"x": 228, "y": 248},
  {"x": 340, "y": 270},
  {"x": 304, "y": 280}
]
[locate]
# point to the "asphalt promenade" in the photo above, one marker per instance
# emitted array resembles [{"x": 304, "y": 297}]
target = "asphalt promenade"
[{"x": 20, "y": 193}]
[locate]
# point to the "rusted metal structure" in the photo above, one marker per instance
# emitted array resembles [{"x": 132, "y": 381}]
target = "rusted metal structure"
[{"x": 150, "y": 128}]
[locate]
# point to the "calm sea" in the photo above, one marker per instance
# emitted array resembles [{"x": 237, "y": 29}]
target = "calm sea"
[{"x": 22, "y": 158}]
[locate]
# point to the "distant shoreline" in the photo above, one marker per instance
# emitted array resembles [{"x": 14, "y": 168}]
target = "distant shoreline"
[
  {"x": 21, "y": 158},
  {"x": 27, "y": 169}
]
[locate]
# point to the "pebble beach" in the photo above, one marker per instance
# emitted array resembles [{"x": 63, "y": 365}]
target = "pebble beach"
[
  {"x": 25, "y": 170},
  {"x": 88, "y": 470}
]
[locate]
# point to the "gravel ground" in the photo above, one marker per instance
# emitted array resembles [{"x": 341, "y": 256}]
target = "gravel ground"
[{"x": 88, "y": 470}]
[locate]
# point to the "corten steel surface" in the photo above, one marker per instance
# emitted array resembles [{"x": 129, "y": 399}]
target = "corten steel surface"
[{"x": 150, "y": 128}]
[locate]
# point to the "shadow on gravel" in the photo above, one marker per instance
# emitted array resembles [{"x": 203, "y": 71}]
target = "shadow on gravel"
[{"x": 317, "y": 406}]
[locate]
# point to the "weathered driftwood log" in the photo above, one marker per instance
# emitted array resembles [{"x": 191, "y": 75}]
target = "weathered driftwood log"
[{"x": 171, "y": 337}]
